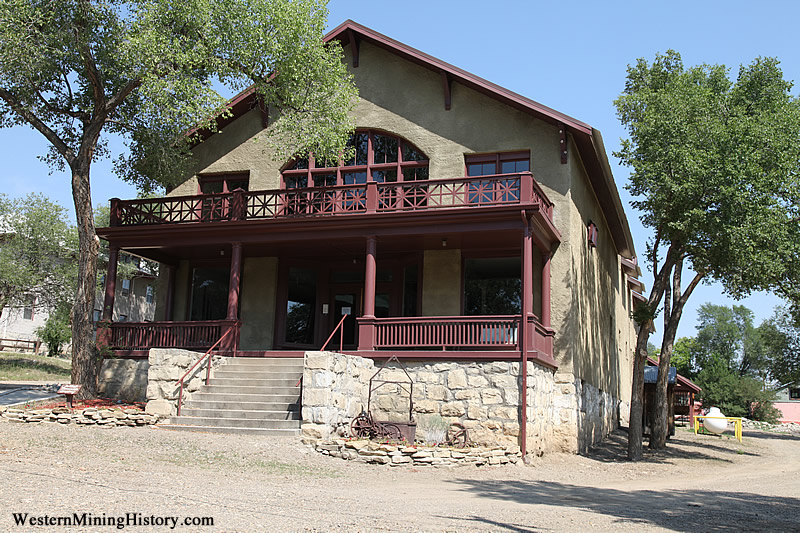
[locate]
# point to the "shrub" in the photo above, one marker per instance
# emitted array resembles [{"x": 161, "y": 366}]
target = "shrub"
[
  {"x": 765, "y": 412},
  {"x": 56, "y": 332},
  {"x": 433, "y": 429}
]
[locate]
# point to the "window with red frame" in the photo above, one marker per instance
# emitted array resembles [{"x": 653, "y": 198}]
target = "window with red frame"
[
  {"x": 385, "y": 157},
  {"x": 498, "y": 163},
  {"x": 223, "y": 183}
]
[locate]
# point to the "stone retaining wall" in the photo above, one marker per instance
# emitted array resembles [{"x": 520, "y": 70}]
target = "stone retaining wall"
[
  {"x": 389, "y": 454},
  {"x": 564, "y": 414},
  {"x": 124, "y": 379},
  {"x": 335, "y": 388},
  {"x": 166, "y": 366},
  {"x": 87, "y": 417}
]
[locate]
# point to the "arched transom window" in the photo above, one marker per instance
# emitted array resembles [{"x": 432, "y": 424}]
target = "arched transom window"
[{"x": 385, "y": 157}]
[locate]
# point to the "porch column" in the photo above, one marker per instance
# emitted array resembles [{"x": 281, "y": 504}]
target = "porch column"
[
  {"x": 369, "y": 278},
  {"x": 546, "y": 289},
  {"x": 111, "y": 283},
  {"x": 366, "y": 324},
  {"x": 170, "y": 303},
  {"x": 233, "y": 285},
  {"x": 524, "y": 331}
]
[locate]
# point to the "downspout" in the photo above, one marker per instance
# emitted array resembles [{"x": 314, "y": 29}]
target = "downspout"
[{"x": 523, "y": 337}]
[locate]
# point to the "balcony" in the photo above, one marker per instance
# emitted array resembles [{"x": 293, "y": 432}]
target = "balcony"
[{"x": 368, "y": 198}]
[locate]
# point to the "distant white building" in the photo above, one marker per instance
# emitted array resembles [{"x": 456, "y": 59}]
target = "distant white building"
[{"x": 134, "y": 302}]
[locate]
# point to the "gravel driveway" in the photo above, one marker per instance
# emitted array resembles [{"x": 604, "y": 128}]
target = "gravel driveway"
[{"x": 249, "y": 483}]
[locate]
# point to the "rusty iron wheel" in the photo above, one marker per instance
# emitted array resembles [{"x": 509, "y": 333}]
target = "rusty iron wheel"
[{"x": 361, "y": 427}]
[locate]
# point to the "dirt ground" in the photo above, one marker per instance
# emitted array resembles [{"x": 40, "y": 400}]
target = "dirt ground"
[{"x": 701, "y": 483}]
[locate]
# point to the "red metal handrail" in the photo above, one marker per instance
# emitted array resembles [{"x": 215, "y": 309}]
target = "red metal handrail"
[
  {"x": 341, "y": 335},
  {"x": 208, "y": 369}
]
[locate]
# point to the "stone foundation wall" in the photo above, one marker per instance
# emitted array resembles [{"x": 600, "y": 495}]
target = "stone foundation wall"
[
  {"x": 166, "y": 366},
  {"x": 483, "y": 396},
  {"x": 335, "y": 388},
  {"x": 124, "y": 379},
  {"x": 84, "y": 417},
  {"x": 597, "y": 417}
]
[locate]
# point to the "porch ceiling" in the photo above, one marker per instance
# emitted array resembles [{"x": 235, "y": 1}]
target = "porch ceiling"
[{"x": 345, "y": 248}]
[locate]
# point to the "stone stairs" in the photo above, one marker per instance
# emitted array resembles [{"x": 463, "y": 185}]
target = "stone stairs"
[{"x": 257, "y": 396}]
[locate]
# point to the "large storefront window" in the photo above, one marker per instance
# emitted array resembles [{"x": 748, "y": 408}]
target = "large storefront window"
[
  {"x": 209, "y": 293},
  {"x": 385, "y": 157},
  {"x": 492, "y": 286}
]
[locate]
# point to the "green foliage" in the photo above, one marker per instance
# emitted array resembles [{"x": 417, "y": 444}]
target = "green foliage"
[
  {"x": 147, "y": 70},
  {"x": 733, "y": 393},
  {"x": 37, "y": 248},
  {"x": 781, "y": 338},
  {"x": 715, "y": 168},
  {"x": 684, "y": 353},
  {"x": 766, "y": 412},
  {"x": 56, "y": 331}
]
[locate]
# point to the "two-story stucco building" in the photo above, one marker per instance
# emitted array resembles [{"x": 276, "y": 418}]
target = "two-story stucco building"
[{"x": 474, "y": 229}]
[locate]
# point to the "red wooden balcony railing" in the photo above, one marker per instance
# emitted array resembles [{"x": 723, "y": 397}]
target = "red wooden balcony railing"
[
  {"x": 188, "y": 335},
  {"x": 473, "y": 192},
  {"x": 489, "y": 332}
]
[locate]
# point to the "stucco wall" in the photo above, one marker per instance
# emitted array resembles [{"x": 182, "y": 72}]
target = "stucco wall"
[
  {"x": 259, "y": 287},
  {"x": 407, "y": 100},
  {"x": 441, "y": 283}
]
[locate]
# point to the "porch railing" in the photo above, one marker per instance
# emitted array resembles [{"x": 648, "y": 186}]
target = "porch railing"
[
  {"x": 188, "y": 335},
  {"x": 372, "y": 197},
  {"x": 495, "y": 332}
]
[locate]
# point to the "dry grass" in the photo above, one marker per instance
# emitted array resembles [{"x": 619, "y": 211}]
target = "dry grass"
[{"x": 28, "y": 367}]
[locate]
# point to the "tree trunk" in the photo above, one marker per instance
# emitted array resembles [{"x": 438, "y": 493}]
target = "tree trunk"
[
  {"x": 85, "y": 359},
  {"x": 637, "y": 395},
  {"x": 660, "y": 429}
]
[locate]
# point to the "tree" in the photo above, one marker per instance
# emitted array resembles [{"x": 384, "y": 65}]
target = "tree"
[
  {"x": 715, "y": 174},
  {"x": 79, "y": 70},
  {"x": 56, "y": 330},
  {"x": 37, "y": 253},
  {"x": 781, "y": 337}
]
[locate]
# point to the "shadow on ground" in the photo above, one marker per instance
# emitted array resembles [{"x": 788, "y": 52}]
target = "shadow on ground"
[
  {"x": 680, "y": 510},
  {"x": 614, "y": 449}
]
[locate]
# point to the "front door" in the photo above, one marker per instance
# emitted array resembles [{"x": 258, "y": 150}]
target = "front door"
[{"x": 345, "y": 301}]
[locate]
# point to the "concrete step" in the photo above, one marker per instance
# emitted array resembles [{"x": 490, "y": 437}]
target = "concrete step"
[
  {"x": 234, "y": 422},
  {"x": 242, "y": 406},
  {"x": 241, "y": 413},
  {"x": 244, "y": 389},
  {"x": 233, "y": 431},
  {"x": 238, "y": 372},
  {"x": 265, "y": 362},
  {"x": 233, "y": 397},
  {"x": 253, "y": 381}
]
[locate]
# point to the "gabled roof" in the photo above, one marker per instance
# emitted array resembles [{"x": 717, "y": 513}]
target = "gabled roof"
[
  {"x": 681, "y": 380},
  {"x": 587, "y": 139}
]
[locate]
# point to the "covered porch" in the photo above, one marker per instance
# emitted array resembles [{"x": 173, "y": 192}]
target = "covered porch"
[{"x": 434, "y": 280}]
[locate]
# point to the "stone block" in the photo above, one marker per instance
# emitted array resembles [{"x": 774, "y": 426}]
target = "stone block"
[
  {"x": 453, "y": 409},
  {"x": 564, "y": 377},
  {"x": 437, "y": 392},
  {"x": 314, "y": 397},
  {"x": 426, "y": 406},
  {"x": 477, "y": 381},
  {"x": 322, "y": 379},
  {"x": 504, "y": 381},
  {"x": 496, "y": 367},
  {"x": 160, "y": 407},
  {"x": 315, "y": 431},
  {"x": 427, "y": 376},
  {"x": 467, "y": 394},
  {"x": 317, "y": 361},
  {"x": 508, "y": 413},
  {"x": 476, "y": 412},
  {"x": 457, "y": 379},
  {"x": 491, "y": 396},
  {"x": 401, "y": 459}
]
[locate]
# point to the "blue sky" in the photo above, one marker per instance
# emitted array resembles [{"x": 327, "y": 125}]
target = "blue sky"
[{"x": 569, "y": 56}]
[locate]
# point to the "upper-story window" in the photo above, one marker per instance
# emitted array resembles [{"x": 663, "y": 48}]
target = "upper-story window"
[
  {"x": 498, "y": 163},
  {"x": 385, "y": 157},
  {"x": 223, "y": 183}
]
